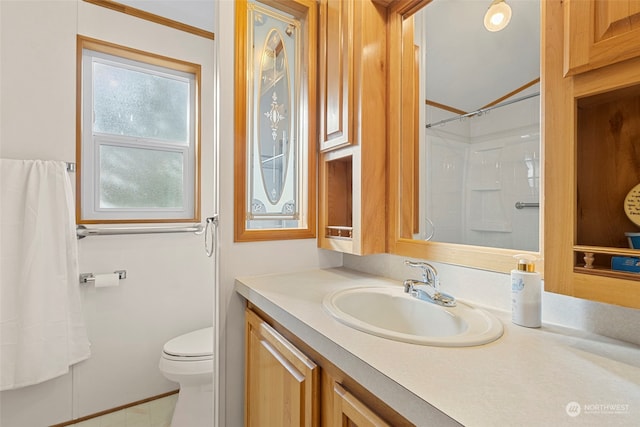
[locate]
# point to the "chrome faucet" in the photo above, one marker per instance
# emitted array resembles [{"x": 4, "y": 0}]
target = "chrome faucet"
[{"x": 428, "y": 287}]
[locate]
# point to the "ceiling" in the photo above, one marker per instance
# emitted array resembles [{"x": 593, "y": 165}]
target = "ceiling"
[{"x": 468, "y": 67}]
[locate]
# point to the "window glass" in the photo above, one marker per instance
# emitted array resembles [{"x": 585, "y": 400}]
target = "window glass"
[
  {"x": 140, "y": 103},
  {"x": 140, "y": 178}
]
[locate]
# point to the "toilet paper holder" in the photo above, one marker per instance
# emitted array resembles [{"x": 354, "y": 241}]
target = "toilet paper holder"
[{"x": 89, "y": 277}]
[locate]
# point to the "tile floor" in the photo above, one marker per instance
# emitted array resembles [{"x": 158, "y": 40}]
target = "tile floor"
[{"x": 156, "y": 413}]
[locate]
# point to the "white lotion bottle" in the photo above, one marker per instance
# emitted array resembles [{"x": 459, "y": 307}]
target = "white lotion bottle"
[{"x": 526, "y": 293}]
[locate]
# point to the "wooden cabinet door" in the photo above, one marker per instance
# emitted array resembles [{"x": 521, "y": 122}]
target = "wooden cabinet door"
[
  {"x": 350, "y": 412},
  {"x": 599, "y": 33},
  {"x": 281, "y": 384},
  {"x": 336, "y": 73}
]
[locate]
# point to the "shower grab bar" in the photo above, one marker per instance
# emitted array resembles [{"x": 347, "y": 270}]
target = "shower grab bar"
[
  {"x": 82, "y": 231},
  {"x": 520, "y": 205}
]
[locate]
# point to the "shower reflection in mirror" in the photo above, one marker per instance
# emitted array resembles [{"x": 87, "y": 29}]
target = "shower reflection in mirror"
[{"x": 475, "y": 165}]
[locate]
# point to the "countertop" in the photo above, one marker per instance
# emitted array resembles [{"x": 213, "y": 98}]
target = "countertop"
[{"x": 529, "y": 377}]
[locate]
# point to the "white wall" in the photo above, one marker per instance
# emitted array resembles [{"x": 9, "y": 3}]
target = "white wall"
[{"x": 169, "y": 285}]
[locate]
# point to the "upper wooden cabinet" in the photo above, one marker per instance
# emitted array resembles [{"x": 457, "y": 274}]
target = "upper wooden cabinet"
[
  {"x": 352, "y": 124},
  {"x": 336, "y": 73},
  {"x": 599, "y": 33},
  {"x": 592, "y": 161},
  {"x": 351, "y": 49}
]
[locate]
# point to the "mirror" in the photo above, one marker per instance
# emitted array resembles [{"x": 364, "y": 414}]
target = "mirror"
[{"x": 465, "y": 144}]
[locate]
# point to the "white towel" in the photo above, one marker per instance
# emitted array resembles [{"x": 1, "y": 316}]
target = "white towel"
[{"x": 42, "y": 331}]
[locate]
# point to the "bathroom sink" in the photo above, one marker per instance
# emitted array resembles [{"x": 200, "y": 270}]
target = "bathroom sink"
[{"x": 389, "y": 312}]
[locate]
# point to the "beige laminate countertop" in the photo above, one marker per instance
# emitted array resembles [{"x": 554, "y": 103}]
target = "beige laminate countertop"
[{"x": 526, "y": 378}]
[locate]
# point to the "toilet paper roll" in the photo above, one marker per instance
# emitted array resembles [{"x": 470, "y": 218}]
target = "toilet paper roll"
[{"x": 107, "y": 280}]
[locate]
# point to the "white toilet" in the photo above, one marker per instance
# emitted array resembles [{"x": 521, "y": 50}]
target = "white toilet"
[{"x": 188, "y": 360}]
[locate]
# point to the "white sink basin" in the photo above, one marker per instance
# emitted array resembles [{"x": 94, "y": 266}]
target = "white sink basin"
[{"x": 389, "y": 312}]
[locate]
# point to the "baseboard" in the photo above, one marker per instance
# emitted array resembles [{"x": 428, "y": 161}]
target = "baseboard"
[{"x": 117, "y": 408}]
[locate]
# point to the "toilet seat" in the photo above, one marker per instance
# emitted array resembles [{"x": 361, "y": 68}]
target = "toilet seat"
[
  {"x": 185, "y": 358},
  {"x": 193, "y": 346}
]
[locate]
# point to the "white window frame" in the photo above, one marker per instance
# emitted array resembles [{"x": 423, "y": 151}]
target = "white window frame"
[{"x": 91, "y": 51}]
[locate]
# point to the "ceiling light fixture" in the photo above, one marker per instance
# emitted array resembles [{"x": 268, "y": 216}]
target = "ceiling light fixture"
[{"x": 498, "y": 16}]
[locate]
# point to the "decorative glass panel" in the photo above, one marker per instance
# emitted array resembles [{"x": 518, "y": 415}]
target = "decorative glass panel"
[
  {"x": 275, "y": 124},
  {"x": 273, "y": 198},
  {"x": 275, "y": 132}
]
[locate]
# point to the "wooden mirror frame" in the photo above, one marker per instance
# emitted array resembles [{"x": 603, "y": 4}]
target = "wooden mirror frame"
[
  {"x": 306, "y": 11},
  {"x": 401, "y": 162}
]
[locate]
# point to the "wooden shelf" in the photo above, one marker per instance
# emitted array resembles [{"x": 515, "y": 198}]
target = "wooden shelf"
[
  {"x": 607, "y": 250},
  {"x": 603, "y": 268},
  {"x": 339, "y": 232},
  {"x": 601, "y": 271}
]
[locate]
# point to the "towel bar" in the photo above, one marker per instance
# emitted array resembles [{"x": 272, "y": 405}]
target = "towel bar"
[
  {"x": 82, "y": 231},
  {"x": 89, "y": 277},
  {"x": 521, "y": 205}
]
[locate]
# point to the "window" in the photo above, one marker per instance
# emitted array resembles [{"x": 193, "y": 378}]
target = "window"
[
  {"x": 139, "y": 128},
  {"x": 275, "y": 120}
]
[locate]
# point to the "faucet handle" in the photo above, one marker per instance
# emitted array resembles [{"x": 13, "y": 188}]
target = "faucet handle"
[{"x": 429, "y": 272}]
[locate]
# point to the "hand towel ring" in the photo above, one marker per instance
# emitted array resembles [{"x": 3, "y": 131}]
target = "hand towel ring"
[{"x": 211, "y": 224}]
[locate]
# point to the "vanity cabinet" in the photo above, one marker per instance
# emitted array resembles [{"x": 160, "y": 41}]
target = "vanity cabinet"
[
  {"x": 600, "y": 33},
  {"x": 592, "y": 161},
  {"x": 352, "y": 126},
  {"x": 281, "y": 383},
  {"x": 288, "y": 383},
  {"x": 350, "y": 411}
]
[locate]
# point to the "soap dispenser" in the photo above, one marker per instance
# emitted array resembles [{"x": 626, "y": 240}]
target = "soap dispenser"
[{"x": 526, "y": 293}]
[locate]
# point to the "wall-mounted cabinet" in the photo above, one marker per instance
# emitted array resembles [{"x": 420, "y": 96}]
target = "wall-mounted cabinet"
[
  {"x": 592, "y": 161},
  {"x": 600, "y": 33},
  {"x": 336, "y": 61},
  {"x": 352, "y": 123}
]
